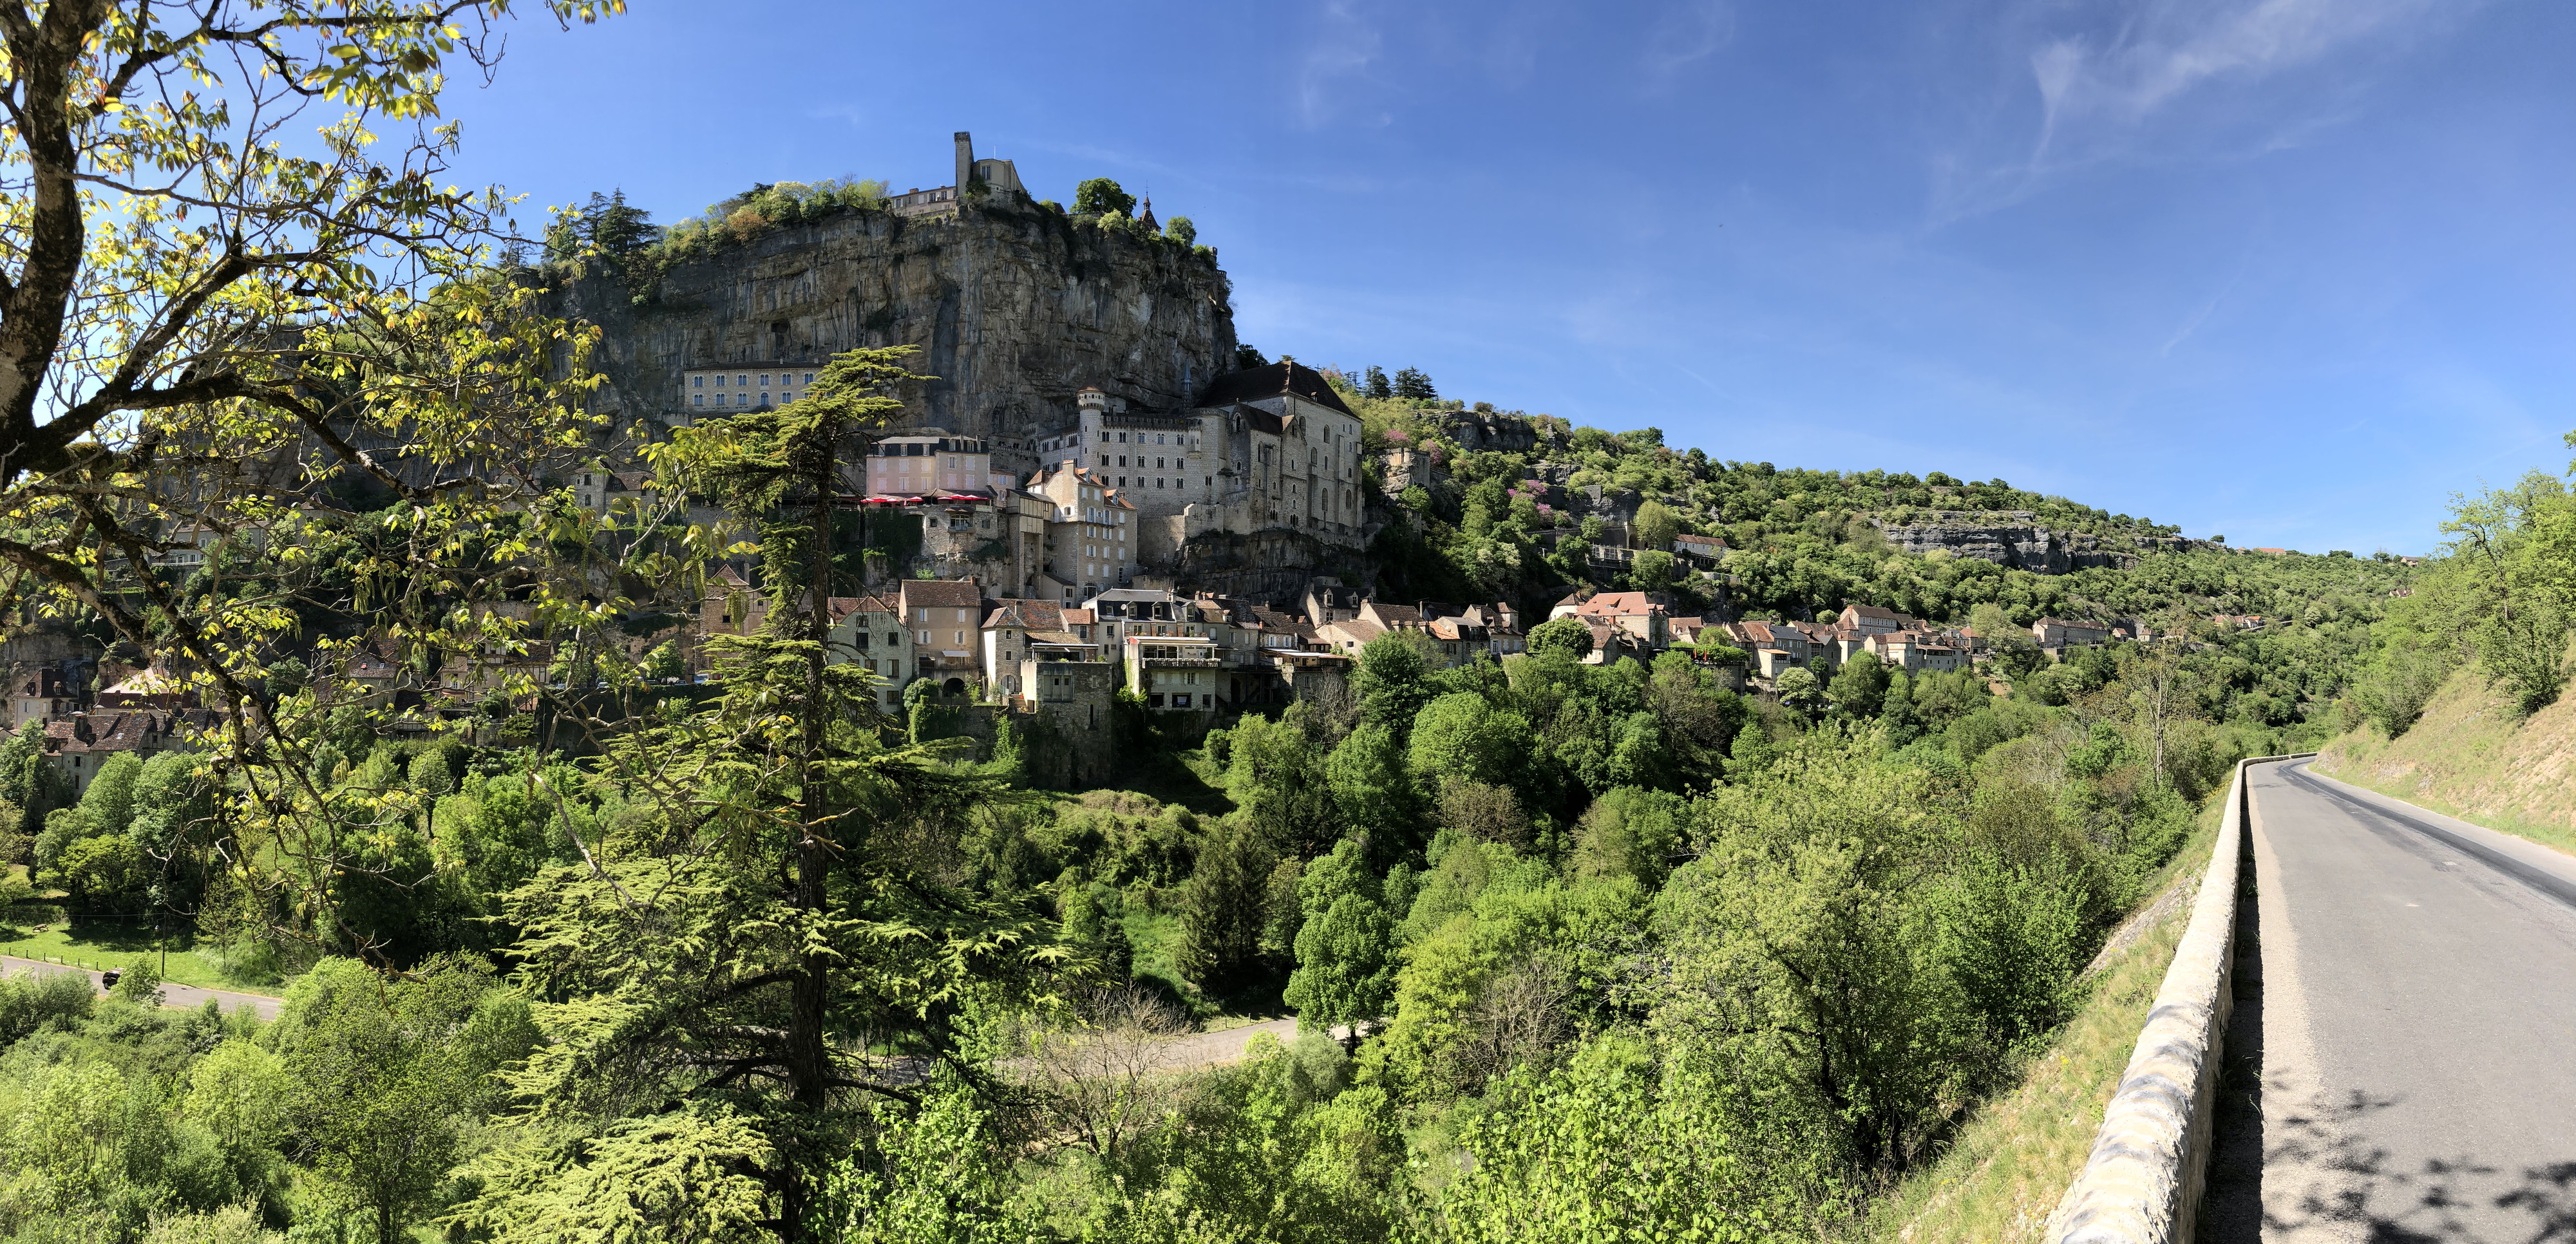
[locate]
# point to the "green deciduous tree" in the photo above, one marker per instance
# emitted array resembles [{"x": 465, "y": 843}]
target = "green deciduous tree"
[
  {"x": 379, "y": 1085},
  {"x": 1393, "y": 680},
  {"x": 1100, "y": 196},
  {"x": 1655, "y": 528},
  {"x": 1563, "y": 635},
  {"x": 1345, "y": 952},
  {"x": 1375, "y": 795},
  {"x": 1859, "y": 688},
  {"x": 1461, "y": 737},
  {"x": 1616, "y": 1145},
  {"x": 1654, "y": 571},
  {"x": 2517, "y": 610}
]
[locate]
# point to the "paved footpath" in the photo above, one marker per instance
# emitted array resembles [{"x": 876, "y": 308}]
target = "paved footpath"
[
  {"x": 188, "y": 997},
  {"x": 2419, "y": 1020}
]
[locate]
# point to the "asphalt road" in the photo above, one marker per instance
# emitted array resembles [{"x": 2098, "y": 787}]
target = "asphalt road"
[
  {"x": 2418, "y": 1011},
  {"x": 188, "y": 997}
]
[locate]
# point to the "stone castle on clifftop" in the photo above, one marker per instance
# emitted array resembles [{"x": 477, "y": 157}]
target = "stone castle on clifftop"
[
  {"x": 1052, "y": 342},
  {"x": 1016, "y": 307}
]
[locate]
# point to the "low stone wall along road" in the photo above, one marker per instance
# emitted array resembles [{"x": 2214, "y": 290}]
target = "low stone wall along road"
[{"x": 2418, "y": 1061}]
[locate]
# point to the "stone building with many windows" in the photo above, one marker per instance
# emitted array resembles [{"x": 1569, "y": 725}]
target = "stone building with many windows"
[{"x": 1272, "y": 448}]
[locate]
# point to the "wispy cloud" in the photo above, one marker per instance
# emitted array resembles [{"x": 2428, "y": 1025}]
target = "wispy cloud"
[
  {"x": 1339, "y": 53},
  {"x": 2097, "y": 90},
  {"x": 1687, "y": 33}
]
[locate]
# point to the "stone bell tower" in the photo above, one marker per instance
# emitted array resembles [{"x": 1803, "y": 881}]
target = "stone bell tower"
[{"x": 965, "y": 163}]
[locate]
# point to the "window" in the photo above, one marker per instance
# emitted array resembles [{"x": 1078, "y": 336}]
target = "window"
[
  {"x": 764, "y": 381},
  {"x": 742, "y": 382},
  {"x": 1181, "y": 701},
  {"x": 701, "y": 382},
  {"x": 921, "y": 637},
  {"x": 701, "y": 400},
  {"x": 719, "y": 382},
  {"x": 809, "y": 377}
]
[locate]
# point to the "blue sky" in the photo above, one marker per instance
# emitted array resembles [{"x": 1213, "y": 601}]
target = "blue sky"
[{"x": 2287, "y": 270}]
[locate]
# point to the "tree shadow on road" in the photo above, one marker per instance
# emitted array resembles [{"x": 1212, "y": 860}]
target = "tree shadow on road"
[{"x": 2325, "y": 1182}]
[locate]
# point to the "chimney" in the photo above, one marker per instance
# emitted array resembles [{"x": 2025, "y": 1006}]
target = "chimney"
[{"x": 965, "y": 162}]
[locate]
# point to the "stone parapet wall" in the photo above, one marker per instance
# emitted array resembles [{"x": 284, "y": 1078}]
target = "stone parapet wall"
[{"x": 2142, "y": 1183}]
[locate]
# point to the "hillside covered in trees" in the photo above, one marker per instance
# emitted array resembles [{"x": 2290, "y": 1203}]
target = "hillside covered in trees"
[
  {"x": 758, "y": 962},
  {"x": 595, "y": 953}
]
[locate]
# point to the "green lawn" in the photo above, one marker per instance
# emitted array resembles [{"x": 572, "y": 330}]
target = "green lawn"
[{"x": 101, "y": 945}]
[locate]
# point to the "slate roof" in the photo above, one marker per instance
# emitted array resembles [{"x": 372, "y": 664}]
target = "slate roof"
[{"x": 1284, "y": 376}]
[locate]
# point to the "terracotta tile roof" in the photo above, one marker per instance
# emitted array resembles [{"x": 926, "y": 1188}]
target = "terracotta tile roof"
[
  {"x": 942, "y": 594},
  {"x": 1033, "y": 615},
  {"x": 1619, "y": 604}
]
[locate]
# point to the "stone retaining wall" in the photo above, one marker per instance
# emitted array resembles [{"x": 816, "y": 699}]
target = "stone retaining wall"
[{"x": 2142, "y": 1183}]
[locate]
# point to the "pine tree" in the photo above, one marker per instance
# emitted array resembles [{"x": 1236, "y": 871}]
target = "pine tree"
[
  {"x": 703, "y": 983},
  {"x": 1222, "y": 911},
  {"x": 1377, "y": 385},
  {"x": 1413, "y": 386}
]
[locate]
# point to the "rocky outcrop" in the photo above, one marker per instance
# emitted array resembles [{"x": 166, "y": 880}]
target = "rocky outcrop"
[
  {"x": 1015, "y": 307},
  {"x": 1487, "y": 430},
  {"x": 2007, "y": 538},
  {"x": 1265, "y": 565}
]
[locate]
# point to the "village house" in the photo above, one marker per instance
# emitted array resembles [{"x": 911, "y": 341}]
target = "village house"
[
  {"x": 1775, "y": 646},
  {"x": 1090, "y": 532},
  {"x": 1017, "y": 632},
  {"x": 1700, "y": 550},
  {"x": 945, "y": 617},
  {"x": 1632, "y": 614},
  {"x": 870, "y": 631},
  {"x": 78, "y": 745},
  {"x": 931, "y": 463},
  {"x": 1174, "y": 673},
  {"x": 1916, "y": 651},
  {"x": 2055, "y": 633},
  {"x": 748, "y": 386},
  {"x": 41, "y": 695}
]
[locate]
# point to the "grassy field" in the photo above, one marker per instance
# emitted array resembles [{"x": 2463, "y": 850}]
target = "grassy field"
[
  {"x": 2009, "y": 1165},
  {"x": 2471, "y": 758},
  {"x": 102, "y": 946}
]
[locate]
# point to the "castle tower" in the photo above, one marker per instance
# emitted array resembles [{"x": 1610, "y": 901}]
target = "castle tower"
[
  {"x": 1145, "y": 215},
  {"x": 1090, "y": 405},
  {"x": 965, "y": 163}
]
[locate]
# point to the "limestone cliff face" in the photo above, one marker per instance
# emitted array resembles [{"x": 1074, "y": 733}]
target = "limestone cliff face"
[
  {"x": 2009, "y": 538},
  {"x": 1014, "y": 307}
]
